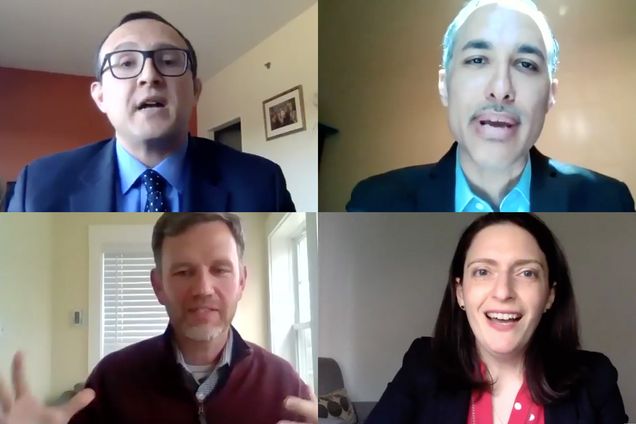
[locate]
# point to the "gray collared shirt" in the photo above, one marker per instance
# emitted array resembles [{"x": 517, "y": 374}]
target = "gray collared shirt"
[{"x": 210, "y": 383}]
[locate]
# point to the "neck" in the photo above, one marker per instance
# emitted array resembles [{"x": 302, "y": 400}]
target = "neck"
[
  {"x": 492, "y": 184},
  {"x": 152, "y": 151},
  {"x": 197, "y": 352},
  {"x": 506, "y": 373}
]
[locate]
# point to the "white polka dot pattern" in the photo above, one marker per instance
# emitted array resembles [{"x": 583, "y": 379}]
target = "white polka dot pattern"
[{"x": 154, "y": 183}]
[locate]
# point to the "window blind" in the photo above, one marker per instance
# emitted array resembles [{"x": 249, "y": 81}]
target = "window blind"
[{"x": 131, "y": 311}]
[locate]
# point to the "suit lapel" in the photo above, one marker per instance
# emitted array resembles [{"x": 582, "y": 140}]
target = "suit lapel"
[
  {"x": 204, "y": 189},
  {"x": 451, "y": 408},
  {"x": 547, "y": 191},
  {"x": 564, "y": 412},
  {"x": 95, "y": 190},
  {"x": 436, "y": 191}
]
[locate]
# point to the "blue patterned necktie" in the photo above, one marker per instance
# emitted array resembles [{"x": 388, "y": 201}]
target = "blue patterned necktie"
[{"x": 155, "y": 184}]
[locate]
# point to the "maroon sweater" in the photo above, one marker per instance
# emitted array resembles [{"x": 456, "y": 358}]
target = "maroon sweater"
[{"x": 143, "y": 383}]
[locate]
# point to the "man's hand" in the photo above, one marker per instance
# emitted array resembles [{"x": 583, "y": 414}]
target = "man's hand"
[
  {"x": 307, "y": 409},
  {"x": 23, "y": 408}
]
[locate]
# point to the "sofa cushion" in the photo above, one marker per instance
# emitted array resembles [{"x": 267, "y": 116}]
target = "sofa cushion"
[{"x": 337, "y": 405}]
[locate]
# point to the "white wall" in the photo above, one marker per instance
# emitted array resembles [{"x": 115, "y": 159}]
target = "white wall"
[
  {"x": 25, "y": 291},
  {"x": 382, "y": 277},
  {"x": 240, "y": 89}
]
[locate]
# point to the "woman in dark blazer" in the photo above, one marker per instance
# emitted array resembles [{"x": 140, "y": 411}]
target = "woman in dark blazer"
[{"x": 505, "y": 347}]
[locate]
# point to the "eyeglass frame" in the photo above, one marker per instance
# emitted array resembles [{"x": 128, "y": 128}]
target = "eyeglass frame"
[{"x": 146, "y": 54}]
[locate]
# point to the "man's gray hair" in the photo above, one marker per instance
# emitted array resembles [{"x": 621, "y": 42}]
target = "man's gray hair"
[
  {"x": 173, "y": 224},
  {"x": 525, "y": 6}
]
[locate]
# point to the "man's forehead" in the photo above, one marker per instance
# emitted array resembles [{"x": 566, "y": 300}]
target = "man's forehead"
[
  {"x": 501, "y": 26},
  {"x": 145, "y": 34}
]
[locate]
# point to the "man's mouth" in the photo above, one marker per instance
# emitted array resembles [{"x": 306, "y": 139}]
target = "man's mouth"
[
  {"x": 496, "y": 124},
  {"x": 151, "y": 103}
]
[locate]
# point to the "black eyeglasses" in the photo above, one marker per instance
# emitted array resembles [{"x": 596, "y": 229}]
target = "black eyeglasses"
[{"x": 125, "y": 64}]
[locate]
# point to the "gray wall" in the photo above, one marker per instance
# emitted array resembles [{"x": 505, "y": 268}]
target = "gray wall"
[{"x": 382, "y": 277}]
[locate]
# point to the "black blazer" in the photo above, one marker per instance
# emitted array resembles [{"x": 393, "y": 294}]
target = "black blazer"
[
  {"x": 85, "y": 179},
  {"x": 554, "y": 187},
  {"x": 413, "y": 397}
]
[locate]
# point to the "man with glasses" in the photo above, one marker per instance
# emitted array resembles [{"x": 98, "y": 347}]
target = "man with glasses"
[{"x": 147, "y": 85}]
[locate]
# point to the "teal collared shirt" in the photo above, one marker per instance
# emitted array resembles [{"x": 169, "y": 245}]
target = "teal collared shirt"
[
  {"x": 131, "y": 197},
  {"x": 517, "y": 199}
]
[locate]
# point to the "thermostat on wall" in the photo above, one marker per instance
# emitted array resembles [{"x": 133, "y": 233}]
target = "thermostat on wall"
[{"x": 78, "y": 318}]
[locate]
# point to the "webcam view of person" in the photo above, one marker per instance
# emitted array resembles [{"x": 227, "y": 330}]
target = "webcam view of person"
[
  {"x": 200, "y": 370},
  {"x": 505, "y": 347},
  {"x": 497, "y": 82},
  {"x": 147, "y": 85}
]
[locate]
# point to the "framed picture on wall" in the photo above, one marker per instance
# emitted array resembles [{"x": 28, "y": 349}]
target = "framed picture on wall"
[{"x": 284, "y": 113}]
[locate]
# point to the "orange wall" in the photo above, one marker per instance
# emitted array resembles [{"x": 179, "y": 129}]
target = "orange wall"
[{"x": 43, "y": 113}]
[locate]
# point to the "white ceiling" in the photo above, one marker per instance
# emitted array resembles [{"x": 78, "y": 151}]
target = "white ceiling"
[{"x": 63, "y": 35}]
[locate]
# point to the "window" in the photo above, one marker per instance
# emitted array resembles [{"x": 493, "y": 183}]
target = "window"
[
  {"x": 123, "y": 308},
  {"x": 131, "y": 312},
  {"x": 292, "y": 261},
  {"x": 302, "y": 321}
]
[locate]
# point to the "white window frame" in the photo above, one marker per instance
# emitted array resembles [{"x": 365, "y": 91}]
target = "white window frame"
[
  {"x": 107, "y": 239},
  {"x": 282, "y": 240}
]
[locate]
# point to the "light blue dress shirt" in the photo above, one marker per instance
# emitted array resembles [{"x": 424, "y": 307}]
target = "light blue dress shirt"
[
  {"x": 131, "y": 195},
  {"x": 517, "y": 200}
]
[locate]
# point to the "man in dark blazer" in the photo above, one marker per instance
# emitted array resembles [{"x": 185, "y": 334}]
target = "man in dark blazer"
[
  {"x": 497, "y": 82},
  {"x": 147, "y": 85},
  {"x": 85, "y": 180},
  {"x": 554, "y": 187}
]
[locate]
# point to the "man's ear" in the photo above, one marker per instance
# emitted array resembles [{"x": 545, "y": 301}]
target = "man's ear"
[
  {"x": 198, "y": 88},
  {"x": 157, "y": 285},
  {"x": 554, "y": 86},
  {"x": 242, "y": 280},
  {"x": 97, "y": 93},
  {"x": 441, "y": 86}
]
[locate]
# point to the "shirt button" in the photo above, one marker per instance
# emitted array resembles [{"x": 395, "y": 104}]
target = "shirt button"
[
  {"x": 531, "y": 417},
  {"x": 200, "y": 397},
  {"x": 479, "y": 206},
  {"x": 517, "y": 406}
]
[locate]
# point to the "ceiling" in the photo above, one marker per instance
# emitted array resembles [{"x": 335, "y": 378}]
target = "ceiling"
[{"x": 62, "y": 36}]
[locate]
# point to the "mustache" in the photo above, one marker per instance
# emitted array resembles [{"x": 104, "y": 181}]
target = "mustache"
[{"x": 499, "y": 108}]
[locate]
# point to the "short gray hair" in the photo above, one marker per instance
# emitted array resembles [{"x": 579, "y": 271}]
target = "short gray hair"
[
  {"x": 173, "y": 224},
  {"x": 525, "y": 6}
]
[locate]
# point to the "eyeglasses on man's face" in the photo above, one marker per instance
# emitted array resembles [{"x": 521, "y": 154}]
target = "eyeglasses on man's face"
[{"x": 125, "y": 64}]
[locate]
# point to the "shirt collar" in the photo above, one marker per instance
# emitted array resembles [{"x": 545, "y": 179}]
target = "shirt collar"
[
  {"x": 226, "y": 355},
  {"x": 520, "y": 193},
  {"x": 130, "y": 168}
]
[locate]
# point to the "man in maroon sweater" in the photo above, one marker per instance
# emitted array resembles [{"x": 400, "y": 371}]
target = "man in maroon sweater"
[{"x": 200, "y": 370}]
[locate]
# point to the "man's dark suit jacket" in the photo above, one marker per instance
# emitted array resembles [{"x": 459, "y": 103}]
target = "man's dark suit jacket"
[
  {"x": 554, "y": 187},
  {"x": 414, "y": 395},
  {"x": 85, "y": 179}
]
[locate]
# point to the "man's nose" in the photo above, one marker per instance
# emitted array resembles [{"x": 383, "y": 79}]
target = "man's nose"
[
  {"x": 149, "y": 73},
  {"x": 204, "y": 284},
  {"x": 500, "y": 88}
]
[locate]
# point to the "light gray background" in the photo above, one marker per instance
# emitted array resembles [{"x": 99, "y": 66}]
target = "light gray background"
[{"x": 382, "y": 277}]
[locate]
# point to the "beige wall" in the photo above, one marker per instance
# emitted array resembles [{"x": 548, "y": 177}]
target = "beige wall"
[
  {"x": 39, "y": 291},
  {"x": 378, "y": 87},
  {"x": 25, "y": 293},
  {"x": 238, "y": 91}
]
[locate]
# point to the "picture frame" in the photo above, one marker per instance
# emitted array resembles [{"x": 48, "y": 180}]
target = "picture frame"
[{"x": 284, "y": 113}]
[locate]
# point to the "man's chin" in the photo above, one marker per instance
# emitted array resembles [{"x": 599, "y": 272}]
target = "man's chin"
[{"x": 204, "y": 333}]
